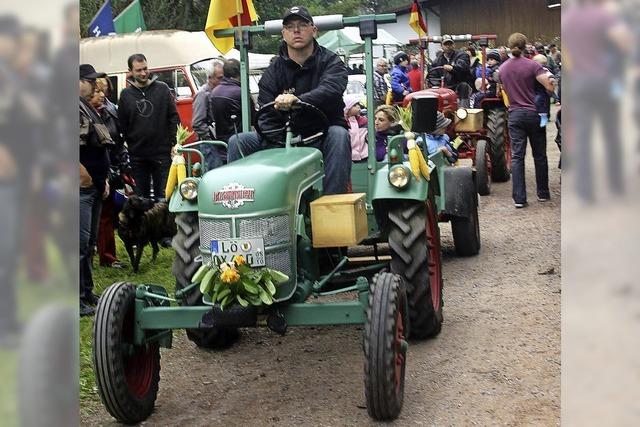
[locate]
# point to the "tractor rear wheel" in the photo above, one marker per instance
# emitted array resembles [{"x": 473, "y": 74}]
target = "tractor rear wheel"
[
  {"x": 127, "y": 375},
  {"x": 466, "y": 231},
  {"x": 498, "y": 144},
  {"x": 414, "y": 240},
  {"x": 186, "y": 243},
  {"x": 483, "y": 168},
  {"x": 385, "y": 346}
]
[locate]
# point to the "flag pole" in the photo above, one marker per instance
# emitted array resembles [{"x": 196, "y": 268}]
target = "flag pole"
[{"x": 421, "y": 47}]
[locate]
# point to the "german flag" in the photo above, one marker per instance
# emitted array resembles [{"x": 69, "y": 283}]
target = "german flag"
[
  {"x": 224, "y": 14},
  {"x": 416, "y": 21}
]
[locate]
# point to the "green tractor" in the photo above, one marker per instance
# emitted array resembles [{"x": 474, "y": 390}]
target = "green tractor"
[{"x": 380, "y": 243}]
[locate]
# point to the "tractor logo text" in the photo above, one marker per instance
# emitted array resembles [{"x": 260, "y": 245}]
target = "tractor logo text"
[{"x": 234, "y": 195}]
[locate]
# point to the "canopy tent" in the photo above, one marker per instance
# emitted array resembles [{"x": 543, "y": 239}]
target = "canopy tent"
[{"x": 348, "y": 40}]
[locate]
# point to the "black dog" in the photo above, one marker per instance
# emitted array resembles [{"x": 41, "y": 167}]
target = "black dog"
[{"x": 143, "y": 221}]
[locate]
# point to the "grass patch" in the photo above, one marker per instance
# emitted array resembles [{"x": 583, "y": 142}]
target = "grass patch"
[
  {"x": 8, "y": 390},
  {"x": 158, "y": 273}
]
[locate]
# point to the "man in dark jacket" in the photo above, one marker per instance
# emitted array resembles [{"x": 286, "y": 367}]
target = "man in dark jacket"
[
  {"x": 148, "y": 119},
  {"x": 226, "y": 107},
  {"x": 310, "y": 73},
  {"x": 456, "y": 68}
]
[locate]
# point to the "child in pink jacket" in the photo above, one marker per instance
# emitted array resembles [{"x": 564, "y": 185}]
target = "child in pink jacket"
[{"x": 357, "y": 127}]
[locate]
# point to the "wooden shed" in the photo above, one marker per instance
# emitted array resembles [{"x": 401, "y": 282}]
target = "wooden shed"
[{"x": 501, "y": 17}]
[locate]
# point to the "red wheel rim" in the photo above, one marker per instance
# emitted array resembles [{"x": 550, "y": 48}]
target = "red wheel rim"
[
  {"x": 435, "y": 261},
  {"x": 399, "y": 359},
  {"x": 139, "y": 367}
]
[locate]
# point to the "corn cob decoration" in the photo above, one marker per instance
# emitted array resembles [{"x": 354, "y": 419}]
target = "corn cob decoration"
[
  {"x": 418, "y": 164},
  {"x": 456, "y": 142},
  {"x": 178, "y": 169}
]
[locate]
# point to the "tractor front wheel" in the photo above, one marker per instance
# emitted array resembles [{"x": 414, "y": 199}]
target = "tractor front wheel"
[
  {"x": 385, "y": 346},
  {"x": 127, "y": 375},
  {"x": 186, "y": 243},
  {"x": 466, "y": 231},
  {"x": 483, "y": 168},
  {"x": 414, "y": 240}
]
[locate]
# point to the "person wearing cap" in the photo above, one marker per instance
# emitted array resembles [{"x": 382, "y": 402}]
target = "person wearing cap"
[
  {"x": 491, "y": 85},
  {"x": 148, "y": 119},
  {"x": 357, "y": 127},
  {"x": 303, "y": 71},
  {"x": 94, "y": 183},
  {"x": 456, "y": 68},
  {"x": 400, "y": 84},
  {"x": 438, "y": 140},
  {"x": 518, "y": 76}
]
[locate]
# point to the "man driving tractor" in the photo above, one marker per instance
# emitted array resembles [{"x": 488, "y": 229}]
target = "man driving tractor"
[
  {"x": 456, "y": 68},
  {"x": 303, "y": 71}
]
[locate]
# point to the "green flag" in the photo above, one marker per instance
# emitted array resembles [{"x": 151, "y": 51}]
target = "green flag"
[{"x": 130, "y": 19}]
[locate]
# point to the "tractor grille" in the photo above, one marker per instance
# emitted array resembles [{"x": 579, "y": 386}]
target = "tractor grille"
[
  {"x": 212, "y": 230},
  {"x": 275, "y": 230}
]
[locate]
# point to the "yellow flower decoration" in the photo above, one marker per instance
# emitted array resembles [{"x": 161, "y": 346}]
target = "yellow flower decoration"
[
  {"x": 230, "y": 275},
  {"x": 239, "y": 260}
]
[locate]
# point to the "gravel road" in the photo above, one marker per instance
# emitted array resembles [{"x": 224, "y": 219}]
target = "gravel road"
[{"x": 496, "y": 361}]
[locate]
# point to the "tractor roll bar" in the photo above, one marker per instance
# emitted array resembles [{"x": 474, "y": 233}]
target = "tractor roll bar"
[
  {"x": 456, "y": 38},
  {"x": 482, "y": 39},
  {"x": 324, "y": 23}
]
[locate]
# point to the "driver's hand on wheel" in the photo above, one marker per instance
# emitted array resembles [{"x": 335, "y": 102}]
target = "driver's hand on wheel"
[
  {"x": 285, "y": 101},
  {"x": 448, "y": 68}
]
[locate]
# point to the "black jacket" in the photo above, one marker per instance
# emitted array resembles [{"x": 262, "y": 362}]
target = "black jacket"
[
  {"x": 321, "y": 81},
  {"x": 93, "y": 153},
  {"x": 148, "y": 120},
  {"x": 461, "y": 68},
  {"x": 225, "y": 101}
]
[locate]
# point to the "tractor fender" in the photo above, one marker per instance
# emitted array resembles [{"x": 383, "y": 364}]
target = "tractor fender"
[
  {"x": 458, "y": 183},
  {"x": 418, "y": 189},
  {"x": 179, "y": 205}
]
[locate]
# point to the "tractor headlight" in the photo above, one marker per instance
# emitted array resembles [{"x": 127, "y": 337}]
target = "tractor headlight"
[
  {"x": 399, "y": 176},
  {"x": 189, "y": 189},
  {"x": 461, "y": 113}
]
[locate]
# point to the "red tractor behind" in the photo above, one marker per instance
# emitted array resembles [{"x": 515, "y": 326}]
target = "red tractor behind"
[{"x": 483, "y": 129}]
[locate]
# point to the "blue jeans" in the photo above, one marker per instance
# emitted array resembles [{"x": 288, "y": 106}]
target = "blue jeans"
[
  {"x": 525, "y": 124},
  {"x": 214, "y": 157},
  {"x": 144, "y": 170},
  {"x": 90, "y": 203},
  {"x": 335, "y": 148}
]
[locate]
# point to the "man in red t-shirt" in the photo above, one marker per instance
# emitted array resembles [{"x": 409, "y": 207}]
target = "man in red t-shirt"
[
  {"x": 518, "y": 76},
  {"x": 415, "y": 76}
]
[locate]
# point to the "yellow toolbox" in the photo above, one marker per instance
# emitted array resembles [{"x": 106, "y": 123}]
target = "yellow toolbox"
[
  {"x": 339, "y": 220},
  {"x": 471, "y": 123}
]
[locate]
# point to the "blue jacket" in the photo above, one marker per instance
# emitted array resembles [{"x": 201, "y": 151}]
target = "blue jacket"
[
  {"x": 399, "y": 82},
  {"x": 434, "y": 142}
]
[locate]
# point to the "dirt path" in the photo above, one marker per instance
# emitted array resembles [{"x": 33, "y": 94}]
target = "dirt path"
[{"x": 497, "y": 360}]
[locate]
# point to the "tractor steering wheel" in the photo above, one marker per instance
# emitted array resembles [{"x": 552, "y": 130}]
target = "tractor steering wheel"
[
  {"x": 323, "y": 122},
  {"x": 435, "y": 81}
]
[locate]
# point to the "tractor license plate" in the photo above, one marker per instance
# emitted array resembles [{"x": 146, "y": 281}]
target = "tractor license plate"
[{"x": 251, "y": 249}]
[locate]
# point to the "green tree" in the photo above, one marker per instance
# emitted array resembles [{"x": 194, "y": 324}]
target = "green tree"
[{"x": 191, "y": 15}]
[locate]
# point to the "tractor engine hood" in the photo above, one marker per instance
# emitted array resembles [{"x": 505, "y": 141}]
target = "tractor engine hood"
[{"x": 266, "y": 180}]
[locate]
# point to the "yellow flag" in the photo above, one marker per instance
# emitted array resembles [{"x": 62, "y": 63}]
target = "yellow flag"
[
  {"x": 416, "y": 21},
  {"x": 224, "y": 14}
]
